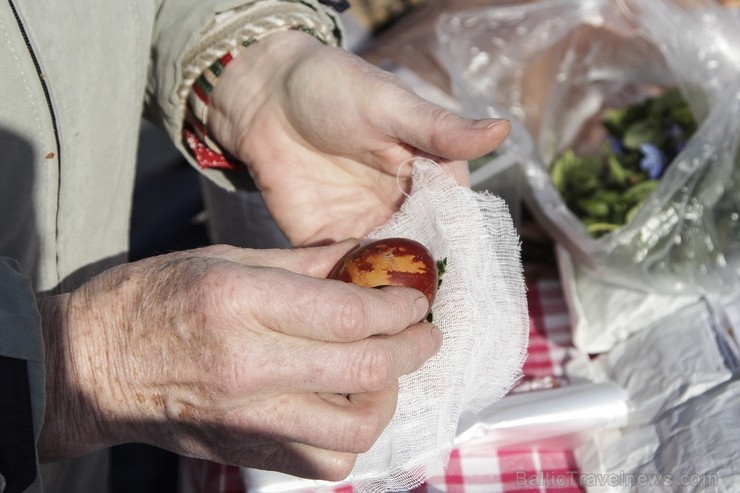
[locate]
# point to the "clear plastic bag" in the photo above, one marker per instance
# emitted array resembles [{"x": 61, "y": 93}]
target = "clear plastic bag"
[{"x": 553, "y": 66}]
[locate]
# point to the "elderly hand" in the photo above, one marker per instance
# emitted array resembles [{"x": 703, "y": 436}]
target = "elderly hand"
[
  {"x": 324, "y": 135},
  {"x": 244, "y": 357}
]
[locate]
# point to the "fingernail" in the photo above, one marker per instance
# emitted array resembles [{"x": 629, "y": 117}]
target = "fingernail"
[
  {"x": 421, "y": 307},
  {"x": 437, "y": 335},
  {"x": 490, "y": 122}
]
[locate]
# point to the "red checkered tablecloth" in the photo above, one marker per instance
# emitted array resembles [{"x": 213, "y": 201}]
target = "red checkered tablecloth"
[{"x": 471, "y": 469}]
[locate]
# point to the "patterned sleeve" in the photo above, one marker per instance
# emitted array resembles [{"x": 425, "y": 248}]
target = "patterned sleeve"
[{"x": 232, "y": 32}]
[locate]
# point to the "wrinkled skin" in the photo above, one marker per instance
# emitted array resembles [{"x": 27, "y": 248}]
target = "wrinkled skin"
[
  {"x": 234, "y": 355},
  {"x": 252, "y": 357},
  {"x": 325, "y": 135}
]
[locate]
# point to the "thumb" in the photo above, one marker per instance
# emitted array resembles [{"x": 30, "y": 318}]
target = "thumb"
[
  {"x": 439, "y": 132},
  {"x": 314, "y": 261},
  {"x": 318, "y": 261}
]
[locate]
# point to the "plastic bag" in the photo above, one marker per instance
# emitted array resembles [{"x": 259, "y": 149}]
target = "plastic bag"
[
  {"x": 553, "y": 66},
  {"x": 684, "y": 403}
]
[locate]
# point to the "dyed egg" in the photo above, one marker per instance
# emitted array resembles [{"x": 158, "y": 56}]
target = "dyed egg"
[{"x": 390, "y": 262}]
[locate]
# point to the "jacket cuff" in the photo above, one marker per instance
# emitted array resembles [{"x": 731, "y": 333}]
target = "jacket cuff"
[{"x": 232, "y": 32}]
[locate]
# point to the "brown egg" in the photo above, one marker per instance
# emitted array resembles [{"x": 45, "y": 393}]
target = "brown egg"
[{"x": 390, "y": 262}]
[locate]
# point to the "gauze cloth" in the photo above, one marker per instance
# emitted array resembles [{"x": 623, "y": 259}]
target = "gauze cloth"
[{"x": 480, "y": 308}]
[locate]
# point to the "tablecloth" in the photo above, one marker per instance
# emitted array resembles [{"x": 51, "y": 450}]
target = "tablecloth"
[{"x": 471, "y": 470}]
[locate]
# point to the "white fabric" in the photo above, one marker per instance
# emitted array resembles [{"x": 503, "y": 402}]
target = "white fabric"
[{"x": 482, "y": 312}]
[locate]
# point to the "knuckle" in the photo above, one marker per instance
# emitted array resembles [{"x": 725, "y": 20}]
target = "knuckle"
[
  {"x": 362, "y": 432},
  {"x": 220, "y": 250},
  {"x": 368, "y": 431},
  {"x": 225, "y": 379},
  {"x": 373, "y": 369},
  {"x": 218, "y": 291},
  {"x": 351, "y": 316},
  {"x": 211, "y": 277}
]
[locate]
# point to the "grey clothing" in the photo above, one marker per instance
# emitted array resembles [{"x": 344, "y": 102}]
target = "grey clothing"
[{"x": 76, "y": 77}]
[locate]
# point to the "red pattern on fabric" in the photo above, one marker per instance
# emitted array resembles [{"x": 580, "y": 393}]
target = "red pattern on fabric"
[
  {"x": 540, "y": 471},
  {"x": 226, "y": 58},
  {"x": 206, "y": 157},
  {"x": 454, "y": 477},
  {"x": 549, "y": 330},
  {"x": 200, "y": 93},
  {"x": 516, "y": 464}
]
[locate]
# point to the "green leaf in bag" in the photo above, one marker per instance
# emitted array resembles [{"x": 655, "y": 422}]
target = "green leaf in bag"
[
  {"x": 638, "y": 193},
  {"x": 594, "y": 207},
  {"x": 600, "y": 229},
  {"x": 585, "y": 175},
  {"x": 606, "y": 190},
  {"x": 560, "y": 168},
  {"x": 617, "y": 173},
  {"x": 639, "y": 133}
]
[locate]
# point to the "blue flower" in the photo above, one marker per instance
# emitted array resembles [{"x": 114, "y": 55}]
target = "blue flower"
[
  {"x": 653, "y": 160},
  {"x": 675, "y": 131},
  {"x": 615, "y": 144}
]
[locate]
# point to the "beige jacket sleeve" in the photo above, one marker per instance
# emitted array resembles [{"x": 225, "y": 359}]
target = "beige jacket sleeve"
[{"x": 191, "y": 34}]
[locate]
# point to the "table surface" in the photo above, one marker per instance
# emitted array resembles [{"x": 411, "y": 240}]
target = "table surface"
[{"x": 470, "y": 470}]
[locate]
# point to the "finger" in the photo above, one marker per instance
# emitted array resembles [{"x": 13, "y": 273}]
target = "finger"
[
  {"x": 439, "y": 132},
  {"x": 329, "y": 310},
  {"x": 315, "y": 261},
  {"x": 369, "y": 365},
  {"x": 328, "y": 421},
  {"x": 297, "y": 459}
]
